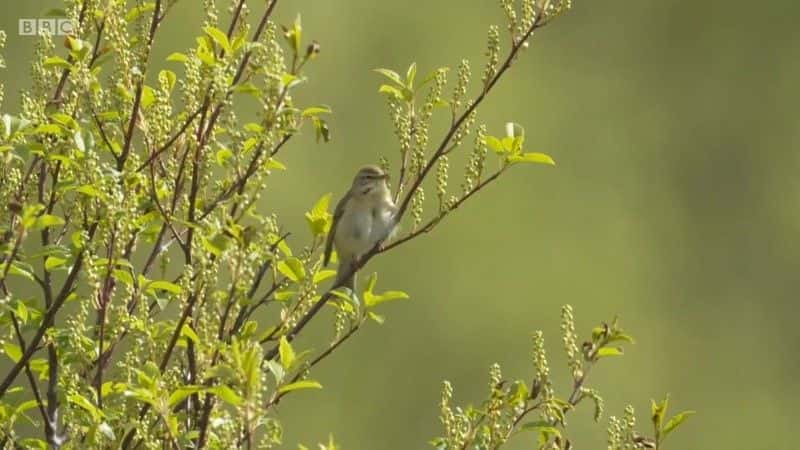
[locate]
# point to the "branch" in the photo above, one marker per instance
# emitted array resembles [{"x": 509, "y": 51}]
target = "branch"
[{"x": 137, "y": 100}]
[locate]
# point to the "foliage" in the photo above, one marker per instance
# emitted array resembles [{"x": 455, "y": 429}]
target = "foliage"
[
  {"x": 511, "y": 406},
  {"x": 133, "y": 206}
]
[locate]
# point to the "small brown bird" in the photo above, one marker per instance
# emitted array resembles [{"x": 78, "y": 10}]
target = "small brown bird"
[{"x": 362, "y": 218}]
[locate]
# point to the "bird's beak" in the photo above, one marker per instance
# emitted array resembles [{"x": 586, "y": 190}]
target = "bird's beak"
[{"x": 385, "y": 176}]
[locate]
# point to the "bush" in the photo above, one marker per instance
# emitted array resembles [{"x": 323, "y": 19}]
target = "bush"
[{"x": 133, "y": 205}]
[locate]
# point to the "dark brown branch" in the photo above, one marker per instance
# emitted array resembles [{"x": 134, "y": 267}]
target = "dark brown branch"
[{"x": 137, "y": 99}]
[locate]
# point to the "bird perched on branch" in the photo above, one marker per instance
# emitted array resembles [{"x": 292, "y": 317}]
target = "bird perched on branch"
[{"x": 362, "y": 218}]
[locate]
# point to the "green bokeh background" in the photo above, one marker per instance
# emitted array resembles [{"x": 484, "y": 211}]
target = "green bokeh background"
[{"x": 675, "y": 204}]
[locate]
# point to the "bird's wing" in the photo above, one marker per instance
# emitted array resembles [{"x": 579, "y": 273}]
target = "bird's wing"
[{"x": 337, "y": 214}]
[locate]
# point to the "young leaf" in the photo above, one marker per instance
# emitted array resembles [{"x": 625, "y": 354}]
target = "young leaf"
[
  {"x": 323, "y": 275},
  {"x": 411, "y": 73},
  {"x": 293, "y": 269},
  {"x": 188, "y": 332},
  {"x": 494, "y": 144},
  {"x": 303, "y": 384},
  {"x": 316, "y": 110},
  {"x": 392, "y": 75},
  {"x": 228, "y": 395},
  {"x": 165, "y": 286},
  {"x": 609, "y": 351},
  {"x": 286, "y": 353},
  {"x": 675, "y": 421},
  {"x": 13, "y": 351},
  {"x": 371, "y": 299},
  {"x": 53, "y": 262},
  {"x": 219, "y": 37},
  {"x": 532, "y": 157}
]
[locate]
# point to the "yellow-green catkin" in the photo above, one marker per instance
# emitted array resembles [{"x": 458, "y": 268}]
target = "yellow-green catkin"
[
  {"x": 614, "y": 433},
  {"x": 477, "y": 160},
  {"x": 543, "y": 377},
  {"x": 511, "y": 15},
  {"x": 459, "y": 93},
  {"x": 593, "y": 395},
  {"x": 570, "y": 342},
  {"x": 492, "y": 55},
  {"x": 441, "y": 182},
  {"x": 417, "y": 202}
]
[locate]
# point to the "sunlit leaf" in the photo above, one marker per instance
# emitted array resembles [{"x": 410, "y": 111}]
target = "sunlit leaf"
[
  {"x": 297, "y": 385},
  {"x": 286, "y": 353},
  {"x": 293, "y": 269}
]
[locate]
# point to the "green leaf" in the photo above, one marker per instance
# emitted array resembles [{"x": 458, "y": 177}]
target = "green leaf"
[
  {"x": 83, "y": 402},
  {"x": 19, "y": 269},
  {"x": 48, "y": 220},
  {"x": 411, "y": 73},
  {"x": 275, "y": 164},
  {"x": 47, "y": 128},
  {"x": 319, "y": 218},
  {"x": 277, "y": 370},
  {"x": 88, "y": 189},
  {"x": 532, "y": 157},
  {"x": 373, "y": 300},
  {"x": 392, "y": 75},
  {"x": 188, "y": 332},
  {"x": 321, "y": 130},
  {"x": 219, "y": 37},
  {"x": 371, "y": 282},
  {"x": 282, "y": 296},
  {"x": 376, "y": 317},
  {"x": 228, "y": 395},
  {"x": 391, "y": 91},
  {"x": 223, "y": 155},
  {"x": 544, "y": 428},
  {"x": 148, "y": 97},
  {"x": 621, "y": 337},
  {"x": 675, "y": 421},
  {"x": 286, "y": 353},
  {"x": 22, "y": 311},
  {"x": 182, "y": 393},
  {"x": 66, "y": 120},
  {"x": 137, "y": 11},
  {"x": 164, "y": 285},
  {"x": 57, "y": 61},
  {"x": 293, "y": 269},
  {"x": 178, "y": 57},
  {"x": 323, "y": 275},
  {"x": 609, "y": 351},
  {"x": 316, "y": 110},
  {"x": 297, "y": 385},
  {"x": 53, "y": 262},
  {"x": 494, "y": 144},
  {"x": 13, "y": 351}
]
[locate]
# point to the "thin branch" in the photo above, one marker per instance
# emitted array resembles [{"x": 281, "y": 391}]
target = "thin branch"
[{"x": 137, "y": 99}]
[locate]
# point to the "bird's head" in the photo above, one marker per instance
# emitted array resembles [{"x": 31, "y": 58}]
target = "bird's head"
[{"x": 370, "y": 179}]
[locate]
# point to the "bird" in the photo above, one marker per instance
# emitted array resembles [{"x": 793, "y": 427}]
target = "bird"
[{"x": 363, "y": 217}]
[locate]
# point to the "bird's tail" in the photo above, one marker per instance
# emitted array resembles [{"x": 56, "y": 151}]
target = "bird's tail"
[{"x": 345, "y": 268}]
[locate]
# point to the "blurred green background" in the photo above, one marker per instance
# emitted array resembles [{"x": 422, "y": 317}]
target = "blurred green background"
[{"x": 675, "y": 204}]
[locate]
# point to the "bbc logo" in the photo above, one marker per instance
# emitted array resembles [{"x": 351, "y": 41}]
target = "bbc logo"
[{"x": 36, "y": 27}]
